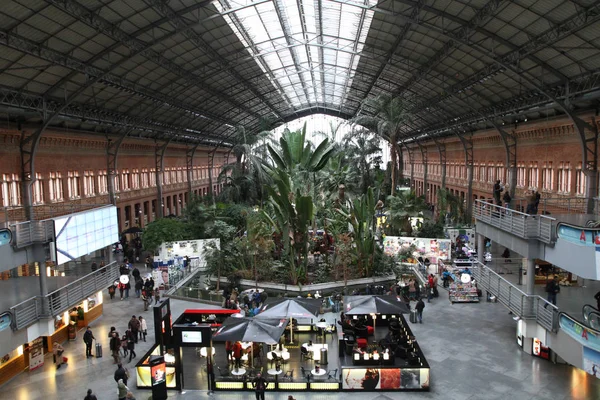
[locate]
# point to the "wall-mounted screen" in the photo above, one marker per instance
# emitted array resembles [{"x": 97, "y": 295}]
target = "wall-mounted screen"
[
  {"x": 191, "y": 337},
  {"x": 82, "y": 233}
]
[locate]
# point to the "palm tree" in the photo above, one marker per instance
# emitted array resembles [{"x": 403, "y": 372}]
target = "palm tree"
[
  {"x": 362, "y": 148},
  {"x": 389, "y": 116},
  {"x": 401, "y": 207}
]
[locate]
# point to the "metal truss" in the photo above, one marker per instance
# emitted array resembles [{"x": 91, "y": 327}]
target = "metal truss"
[
  {"x": 109, "y": 118},
  {"x": 56, "y": 58},
  {"x": 182, "y": 27},
  {"x": 424, "y": 161},
  {"x": 138, "y": 47}
]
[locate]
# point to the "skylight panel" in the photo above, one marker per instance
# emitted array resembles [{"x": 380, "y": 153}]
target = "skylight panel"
[{"x": 284, "y": 38}]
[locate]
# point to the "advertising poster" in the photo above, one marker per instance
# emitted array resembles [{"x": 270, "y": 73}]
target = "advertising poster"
[
  {"x": 433, "y": 249},
  {"x": 385, "y": 378},
  {"x": 158, "y": 373},
  {"x": 36, "y": 354},
  {"x": 591, "y": 361}
]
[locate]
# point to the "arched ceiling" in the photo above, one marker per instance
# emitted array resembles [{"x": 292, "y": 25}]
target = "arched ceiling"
[{"x": 194, "y": 70}]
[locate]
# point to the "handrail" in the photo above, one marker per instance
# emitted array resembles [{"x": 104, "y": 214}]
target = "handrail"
[
  {"x": 523, "y": 305},
  {"x": 586, "y": 310},
  {"x": 593, "y": 320},
  {"x": 540, "y": 227},
  {"x": 26, "y": 312},
  {"x": 71, "y": 294}
]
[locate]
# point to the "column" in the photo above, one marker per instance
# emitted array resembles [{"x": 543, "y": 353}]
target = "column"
[
  {"x": 530, "y": 276},
  {"x": 480, "y": 247}
]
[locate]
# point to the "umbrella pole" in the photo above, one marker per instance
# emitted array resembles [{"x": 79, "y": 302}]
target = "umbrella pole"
[{"x": 291, "y": 331}]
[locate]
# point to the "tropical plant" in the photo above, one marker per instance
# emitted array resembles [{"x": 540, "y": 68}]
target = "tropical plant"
[
  {"x": 292, "y": 218},
  {"x": 163, "y": 230},
  {"x": 364, "y": 154},
  {"x": 389, "y": 115},
  {"x": 447, "y": 203},
  {"x": 360, "y": 214},
  {"x": 296, "y": 157},
  {"x": 400, "y": 208}
]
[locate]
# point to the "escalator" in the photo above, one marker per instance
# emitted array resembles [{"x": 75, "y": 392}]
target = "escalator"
[{"x": 591, "y": 316}]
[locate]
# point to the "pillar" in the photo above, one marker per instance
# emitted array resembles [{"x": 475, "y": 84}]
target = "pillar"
[
  {"x": 530, "y": 276},
  {"x": 480, "y": 247}
]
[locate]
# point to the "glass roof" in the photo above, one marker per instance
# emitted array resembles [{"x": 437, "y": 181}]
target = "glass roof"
[{"x": 309, "y": 49}]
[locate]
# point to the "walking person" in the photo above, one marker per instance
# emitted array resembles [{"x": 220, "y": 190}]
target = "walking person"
[
  {"x": 115, "y": 346},
  {"x": 123, "y": 389},
  {"x": 435, "y": 285},
  {"x": 260, "y": 385},
  {"x": 430, "y": 288},
  {"x": 419, "y": 307},
  {"x": 124, "y": 345},
  {"x": 156, "y": 296},
  {"x": 90, "y": 395},
  {"x": 88, "y": 339},
  {"x": 138, "y": 287},
  {"x": 552, "y": 288},
  {"x": 134, "y": 327},
  {"x": 507, "y": 199},
  {"x": 143, "y": 328},
  {"x": 131, "y": 340},
  {"x": 121, "y": 374},
  {"x": 57, "y": 351},
  {"x": 121, "y": 289}
]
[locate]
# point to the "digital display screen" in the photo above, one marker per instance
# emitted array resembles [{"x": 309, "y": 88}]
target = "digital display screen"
[
  {"x": 158, "y": 374},
  {"x": 82, "y": 233},
  {"x": 191, "y": 337}
]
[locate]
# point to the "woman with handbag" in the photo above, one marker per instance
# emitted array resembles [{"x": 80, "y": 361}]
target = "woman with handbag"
[{"x": 58, "y": 351}]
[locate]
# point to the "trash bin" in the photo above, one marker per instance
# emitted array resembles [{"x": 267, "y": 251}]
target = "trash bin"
[{"x": 323, "y": 356}]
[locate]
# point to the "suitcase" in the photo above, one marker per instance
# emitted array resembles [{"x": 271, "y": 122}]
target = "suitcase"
[
  {"x": 413, "y": 316},
  {"x": 98, "y": 350}
]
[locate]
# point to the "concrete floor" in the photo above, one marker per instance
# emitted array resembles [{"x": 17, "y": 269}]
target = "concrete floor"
[{"x": 471, "y": 348}]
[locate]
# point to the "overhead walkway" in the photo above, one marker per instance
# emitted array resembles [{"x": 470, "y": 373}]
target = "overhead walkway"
[{"x": 555, "y": 238}]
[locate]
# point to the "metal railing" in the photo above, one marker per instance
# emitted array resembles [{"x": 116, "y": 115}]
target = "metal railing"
[
  {"x": 47, "y": 211},
  {"x": 30, "y": 232},
  {"x": 73, "y": 293},
  {"x": 518, "y": 302},
  {"x": 26, "y": 312},
  {"x": 560, "y": 205},
  {"x": 523, "y": 225}
]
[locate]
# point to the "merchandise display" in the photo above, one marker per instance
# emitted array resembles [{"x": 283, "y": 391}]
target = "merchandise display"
[{"x": 463, "y": 293}]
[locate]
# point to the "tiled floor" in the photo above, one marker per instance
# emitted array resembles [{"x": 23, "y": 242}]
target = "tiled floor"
[{"x": 471, "y": 349}]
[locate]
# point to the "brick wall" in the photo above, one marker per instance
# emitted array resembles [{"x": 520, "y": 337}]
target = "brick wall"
[{"x": 64, "y": 152}]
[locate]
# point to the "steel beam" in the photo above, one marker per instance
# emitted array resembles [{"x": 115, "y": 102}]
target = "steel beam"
[
  {"x": 159, "y": 162},
  {"x": 443, "y": 160},
  {"x": 469, "y": 158},
  {"x": 189, "y": 165},
  {"x": 424, "y": 160}
]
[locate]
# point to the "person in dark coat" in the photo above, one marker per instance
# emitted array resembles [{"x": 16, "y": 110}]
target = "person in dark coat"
[
  {"x": 134, "y": 327},
  {"x": 90, "y": 395},
  {"x": 260, "y": 385},
  {"x": 138, "y": 287},
  {"x": 497, "y": 192},
  {"x": 88, "y": 338},
  {"x": 121, "y": 373},
  {"x": 115, "y": 346},
  {"x": 131, "y": 340},
  {"x": 552, "y": 288},
  {"x": 419, "y": 307}
]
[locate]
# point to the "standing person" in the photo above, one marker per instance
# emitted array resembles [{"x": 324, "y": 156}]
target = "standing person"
[
  {"x": 419, "y": 307},
  {"x": 88, "y": 338},
  {"x": 94, "y": 267},
  {"x": 435, "y": 285},
  {"x": 531, "y": 209},
  {"x": 237, "y": 354},
  {"x": 552, "y": 288},
  {"x": 538, "y": 197},
  {"x": 412, "y": 291},
  {"x": 145, "y": 299},
  {"x": 135, "y": 273},
  {"x": 597, "y": 297},
  {"x": 156, "y": 296},
  {"x": 124, "y": 345},
  {"x": 497, "y": 192},
  {"x": 127, "y": 287},
  {"x": 115, "y": 346},
  {"x": 121, "y": 289},
  {"x": 90, "y": 395},
  {"x": 111, "y": 291},
  {"x": 507, "y": 199},
  {"x": 123, "y": 389},
  {"x": 134, "y": 327},
  {"x": 229, "y": 350},
  {"x": 143, "y": 328},
  {"x": 57, "y": 351},
  {"x": 131, "y": 340},
  {"x": 260, "y": 385},
  {"x": 430, "y": 288}
]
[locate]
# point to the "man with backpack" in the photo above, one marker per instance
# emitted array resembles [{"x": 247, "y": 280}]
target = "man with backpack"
[
  {"x": 419, "y": 307},
  {"x": 88, "y": 338}
]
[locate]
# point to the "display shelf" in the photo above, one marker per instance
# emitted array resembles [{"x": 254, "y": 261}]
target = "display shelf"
[{"x": 463, "y": 293}]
